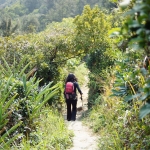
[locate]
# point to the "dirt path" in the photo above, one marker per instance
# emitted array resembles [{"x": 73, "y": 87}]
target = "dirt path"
[{"x": 83, "y": 138}]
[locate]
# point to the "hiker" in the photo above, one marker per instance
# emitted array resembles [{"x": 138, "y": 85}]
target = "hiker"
[{"x": 71, "y": 99}]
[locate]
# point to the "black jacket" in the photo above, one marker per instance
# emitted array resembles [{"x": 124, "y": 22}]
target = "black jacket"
[{"x": 76, "y": 87}]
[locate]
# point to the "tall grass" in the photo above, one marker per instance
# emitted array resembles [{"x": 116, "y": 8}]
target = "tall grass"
[
  {"x": 117, "y": 123},
  {"x": 81, "y": 73},
  {"x": 51, "y": 133},
  {"x": 21, "y": 104}
]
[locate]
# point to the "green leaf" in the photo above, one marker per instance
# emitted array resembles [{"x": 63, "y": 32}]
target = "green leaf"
[
  {"x": 144, "y": 96},
  {"x": 4, "y": 122},
  {"x": 9, "y": 71},
  {"x": 25, "y": 84},
  {"x": 23, "y": 70},
  {"x": 138, "y": 39},
  {"x": 122, "y": 88},
  {"x": 145, "y": 110},
  {"x": 9, "y": 131},
  {"x": 5, "y": 115},
  {"x": 147, "y": 85},
  {"x": 117, "y": 93},
  {"x": 7, "y": 85},
  {"x": 8, "y": 103},
  {"x": 138, "y": 7},
  {"x": 6, "y": 92},
  {"x": 6, "y": 145},
  {"x": 144, "y": 71},
  {"x": 131, "y": 97},
  {"x": 38, "y": 107}
]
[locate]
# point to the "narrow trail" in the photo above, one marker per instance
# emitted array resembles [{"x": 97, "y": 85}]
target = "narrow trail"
[{"x": 83, "y": 138}]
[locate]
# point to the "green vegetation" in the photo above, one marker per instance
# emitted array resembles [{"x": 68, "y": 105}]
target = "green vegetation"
[
  {"x": 108, "y": 46},
  {"x": 78, "y": 68},
  {"x": 117, "y": 123},
  {"x": 121, "y": 112},
  {"x": 21, "y": 102},
  {"x": 51, "y": 133},
  {"x": 33, "y": 16}
]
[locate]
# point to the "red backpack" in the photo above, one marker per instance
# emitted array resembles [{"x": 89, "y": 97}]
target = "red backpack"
[{"x": 69, "y": 91}]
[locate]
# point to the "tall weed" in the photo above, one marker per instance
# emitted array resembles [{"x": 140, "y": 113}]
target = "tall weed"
[
  {"x": 51, "y": 133},
  {"x": 21, "y": 103},
  {"x": 117, "y": 123}
]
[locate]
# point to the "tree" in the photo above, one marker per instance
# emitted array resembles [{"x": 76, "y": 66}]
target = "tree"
[
  {"x": 6, "y": 27},
  {"x": 103, "y": 4},
  {"x": 91, "y": 29},
  {"x": 31, "y": 5},
  {"x": 136, "y": 31},
  {"x": 30, "y": 24},
  {"x": 91, "y": 37},
  {"x": 17, "y": 10}
]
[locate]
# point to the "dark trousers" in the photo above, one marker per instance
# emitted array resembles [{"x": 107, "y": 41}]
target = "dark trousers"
[{"x": 71, "y": 109}]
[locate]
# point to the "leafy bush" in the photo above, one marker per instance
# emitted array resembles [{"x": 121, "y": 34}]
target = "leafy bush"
[
  {"x": 91, "y": 36},
  {"x": 117, "y": 123},
  {"x": 21, "y": 103},
  {"x": 51, "y": 133},
  {"x": 135, "y": 78}
]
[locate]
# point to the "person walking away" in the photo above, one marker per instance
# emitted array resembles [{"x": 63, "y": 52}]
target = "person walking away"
[{"x": 70, "y": 93}]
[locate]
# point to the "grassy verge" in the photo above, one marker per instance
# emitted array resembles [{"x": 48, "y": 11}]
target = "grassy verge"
[
  {"x": 117, "y": 123},
  {"x": 51, "y": 133},
  {"x": 81, "y": 72}
]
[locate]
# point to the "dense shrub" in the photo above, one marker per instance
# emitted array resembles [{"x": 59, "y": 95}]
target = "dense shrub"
[{"x": 21, "y": 103}]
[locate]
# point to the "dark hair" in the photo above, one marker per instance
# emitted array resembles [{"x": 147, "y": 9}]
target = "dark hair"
[{"x": 71, "y": 78}]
